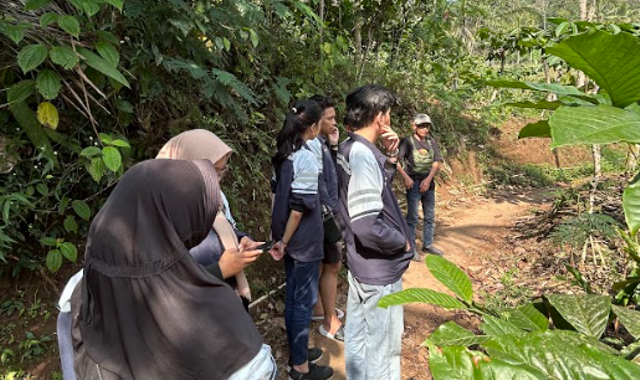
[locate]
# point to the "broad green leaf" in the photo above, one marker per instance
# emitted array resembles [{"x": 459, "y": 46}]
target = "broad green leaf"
[
  {"x": 634, "y": 280},
  {"x": 48, "y": 84},
  {"x": 542, "y": 104},
  {"x": 90, "y": 151},
  {"x": 14, "y": 32},
  {"x": 630, "y": 319},
  {"x": 227, "y": 44},
  {"x": 631, "y": 204},
  {"x": 120, "y": 143},
  {"x": 421, "y": 295},
  {"x": 90, "y": 8},
  {"x": 124, "y": 106},
  {"x": 108, "y": 52},
  {"x": 452, "y": 334},
  {"x": 48, "y": 115},
  {"x": 96, "y": 168},
  {"x": 27, "y": 118},
  {"x": 82, "y": 209},
  {"x": 48, "y": 18},
  {"x": 308, "y": 12},
  {"x": 49, "y": 241},
  {"x": 594, "y": 125},
  {"x": 64, "y": 56},
  {"x": 612, "y": 61},
  {"x": 112, "y": 158},
  {"x": 450, "y": 363},
  {"x": 6, "y": 209},
  {"x": 537, "y": 129},
  {"x": 116, "y": 3},
  {"x": 98, "y": 63},
  {"x": 550, "y": 356},
  {"x": 451, "y": 276},
  {"x": 70, "y": 25},
  {"x": 254, "y": 37},
  {"x": 31, "y": 57},
  {"x": 493, "y": 369},
  {"x": 105, "y": 138},
  {"x": 495, "y": 326},
  {"x": 20, "y": 91},
  {"x": 107, "y": 36},
  {"x": 587, "y": 313},
  {"x": 458, "y": 363},
  {"x": 526, "y": 317},
  {"x": 42, "y": 189},
  {"x": 70, "y": 224},
  {"x": 69, "y": 251},
  {"x": 54, "y": 260},
  {"x": 543, "y": 87},
  {"x": 32, "y": 5}
]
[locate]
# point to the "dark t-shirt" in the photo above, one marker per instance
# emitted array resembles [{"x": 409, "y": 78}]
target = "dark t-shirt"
[{"x": 417, "y": 156}]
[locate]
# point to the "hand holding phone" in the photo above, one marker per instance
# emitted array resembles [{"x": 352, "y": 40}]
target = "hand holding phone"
[{"x": 266, "y": 246}]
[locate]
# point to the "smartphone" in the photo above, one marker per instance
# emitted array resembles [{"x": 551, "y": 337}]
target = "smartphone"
[{"x": 266, "y": 246}]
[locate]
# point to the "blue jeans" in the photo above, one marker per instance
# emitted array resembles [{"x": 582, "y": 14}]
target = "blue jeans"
[
  {"x": 301, "y": 295},
  {"x": 428, "y": 199},
  {"x": 373, "y": 335}
]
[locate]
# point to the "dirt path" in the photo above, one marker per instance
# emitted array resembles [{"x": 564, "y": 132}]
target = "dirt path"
[{"x": 467, "y": 230}]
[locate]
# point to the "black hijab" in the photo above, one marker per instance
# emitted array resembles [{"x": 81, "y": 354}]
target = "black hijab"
[{"x": 145, "y": 309}]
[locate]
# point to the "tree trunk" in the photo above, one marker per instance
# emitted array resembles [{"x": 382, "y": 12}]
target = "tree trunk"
[
  {"x": 584, "y": 12},
  {"x": 366, "y": 53},
  {"x": 357, "y": 38},
  {"x": 632, "y": 157},
  {"x": 321, "y": 15},
  {"x": 597, "y": 171}
]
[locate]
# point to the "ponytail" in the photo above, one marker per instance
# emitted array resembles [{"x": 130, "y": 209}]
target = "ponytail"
[{"x": 301, "y": 117}]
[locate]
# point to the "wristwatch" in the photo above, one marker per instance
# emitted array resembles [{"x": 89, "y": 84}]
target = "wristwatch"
[{"x": 393, "y": 154}]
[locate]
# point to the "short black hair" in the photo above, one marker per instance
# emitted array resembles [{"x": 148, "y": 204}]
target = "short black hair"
[
  {"x": 324, "y": 101},
  {"x": 366, "y": 102}
]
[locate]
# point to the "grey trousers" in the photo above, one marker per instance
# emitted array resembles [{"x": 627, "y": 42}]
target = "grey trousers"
[{"x": 373, "y": 335}]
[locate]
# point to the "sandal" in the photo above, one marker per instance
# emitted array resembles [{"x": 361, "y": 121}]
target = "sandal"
[
  {"x": 339, "y": 313},
  {"x": 338, "y": 336}
]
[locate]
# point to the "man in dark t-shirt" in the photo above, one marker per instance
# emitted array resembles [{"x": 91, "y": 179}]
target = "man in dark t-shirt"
[{"x": 419, "y": 159}]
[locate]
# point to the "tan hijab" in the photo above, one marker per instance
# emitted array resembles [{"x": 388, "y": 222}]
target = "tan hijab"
[
  {"x": 201, "y": 144},
  {"x": 196, "y": 144}
]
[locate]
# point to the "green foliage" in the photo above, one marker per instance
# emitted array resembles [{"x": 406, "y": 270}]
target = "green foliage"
[
  {"x": 631, "y": 204},
  {"x": 31, "y": 57},
  {"x": 520, "y": 343},
  {"x": 451, "y": 276},
  {"x": 142, "y": 71},
  {"x": 609, "y": 59},
  {"x": 576, "y": 230},
  {"x": 539, "y": 129}
]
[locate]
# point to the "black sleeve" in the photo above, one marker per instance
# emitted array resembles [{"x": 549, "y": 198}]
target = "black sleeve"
[
  {"x": 436, "y": 151},
  {"x": 214, "y": 269},
  {"x": 403, "y": 149}
]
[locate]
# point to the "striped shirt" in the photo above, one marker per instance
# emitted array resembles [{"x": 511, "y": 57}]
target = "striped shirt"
[
  {"x": 375, "y": 231},
  {"x": 296, "y": 188},
  {"x": 328, "y": 182}
]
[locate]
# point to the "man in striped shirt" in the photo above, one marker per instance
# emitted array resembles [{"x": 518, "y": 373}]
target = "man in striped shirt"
[{"x": 376, "y": 236}]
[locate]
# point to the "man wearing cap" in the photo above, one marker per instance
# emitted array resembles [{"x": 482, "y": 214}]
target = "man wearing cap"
[{"x": 418, "y": 162}]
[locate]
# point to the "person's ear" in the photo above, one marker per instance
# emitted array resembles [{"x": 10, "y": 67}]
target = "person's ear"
[{"x": 379, "y": 119}]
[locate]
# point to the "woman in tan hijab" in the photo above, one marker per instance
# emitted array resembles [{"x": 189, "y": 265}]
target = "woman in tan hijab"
[{"x": 226, "y": 251}]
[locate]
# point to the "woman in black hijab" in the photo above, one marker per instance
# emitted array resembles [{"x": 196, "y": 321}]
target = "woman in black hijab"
[{"x": 145, "y": 309}]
